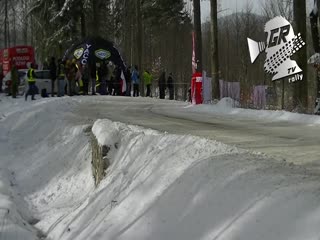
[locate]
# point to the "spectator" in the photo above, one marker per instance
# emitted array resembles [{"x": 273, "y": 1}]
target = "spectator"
[
  {"x": 170, "y": 86},
  {"x": 110, "y": 78},
  {"x": 71, "y": 71},
  {"x": 162, "y": 85},
  {"x": 103, "y": 76},
  {"x": 147, "y": 78},
  {"x": 98, "y": 80},
  {"x": 78, "y": 79},
  {"x": 53, "y": 74},
  {"x": 128, "y": 81},
  {"x": 85, "y": 79},
  {"x": 14, "y": 79},
  {"x": 135, "y": 80},
  {"x": 45, "y": 65},
  {"x": 31, "y": 82}
]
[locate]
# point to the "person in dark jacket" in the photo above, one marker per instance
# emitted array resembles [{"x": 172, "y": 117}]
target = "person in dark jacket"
[
  {"x": 53, "y": 74},
  {"x": 162, "y": 85},
  {"x": 14, "y": 79},
  {"x": 170, "y": 86},
  {"x": 136, "y": 81},
  {"x": 103, "y": 75},
  {"x": 128, "y": 81},
  {"x": 85, "y": 78}
]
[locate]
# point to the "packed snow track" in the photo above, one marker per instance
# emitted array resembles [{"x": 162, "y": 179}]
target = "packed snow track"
[{"x": 284, "y": 136}]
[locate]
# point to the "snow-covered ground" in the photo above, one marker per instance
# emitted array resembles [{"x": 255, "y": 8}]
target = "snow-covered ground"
[{"x": 159, "y": 185}]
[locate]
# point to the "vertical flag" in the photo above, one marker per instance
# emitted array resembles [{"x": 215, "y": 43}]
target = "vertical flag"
[
  {"x": 194, "y": 64},
  {"x": 124, "y": 85}
]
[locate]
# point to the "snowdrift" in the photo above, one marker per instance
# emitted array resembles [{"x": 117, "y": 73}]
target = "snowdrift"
[{"x": 158, "y": 186}]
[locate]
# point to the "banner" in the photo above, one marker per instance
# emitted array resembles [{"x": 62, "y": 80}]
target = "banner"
[
  {"x": 194, "y": 64},
  {"x": 229, "y": 89},
  {"x": 206, "y": 88},
  {"x": 196, "y": 88},
  {"x": 123, "y": 83},
  {"x": 21, "y": 55}
]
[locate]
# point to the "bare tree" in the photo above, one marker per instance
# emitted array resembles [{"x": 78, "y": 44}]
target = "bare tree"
[
  {"x": 139, "y": 44},
  {"x": 197, "y": 31},
  {"x": 6, "y": 26},
  {"x": 301, "y": 87},
  {"x": 273, "y": 8},
  {"x": 214, "y": 50}
]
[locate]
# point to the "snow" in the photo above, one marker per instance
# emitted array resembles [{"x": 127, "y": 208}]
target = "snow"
[
  {"x": 226, "y": 107},
  {"x": 159, "y": 185}
]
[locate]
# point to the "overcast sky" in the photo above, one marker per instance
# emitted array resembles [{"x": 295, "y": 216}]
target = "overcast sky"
[{"x": 231, "y": 6}]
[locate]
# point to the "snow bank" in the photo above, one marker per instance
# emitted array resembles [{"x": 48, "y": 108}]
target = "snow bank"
[
  {"x": 158, "y": 186},
  {"x": 14, "y": 214},
  {"x": 44, "y": 165},
  {"x": 144, "y": 165},
  {"x": 164, "y": 186},
  {"x": 228, "y": 106}
]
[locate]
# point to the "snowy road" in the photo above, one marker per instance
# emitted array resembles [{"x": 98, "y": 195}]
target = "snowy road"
[{"x": 295, "y": 142}]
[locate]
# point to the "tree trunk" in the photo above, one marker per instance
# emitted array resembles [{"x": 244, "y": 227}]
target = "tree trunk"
[
  {"x": 96, "y": 18},
  {"x": 6, "y": 30},
  {"x": 14, "y": 37},
  {"x": 26, "y": 19},
  {"x": 139, "y": 45},
  {"x": 214, "y": 50},
  {"x": 83, "y": 25},
  {"x": 197, "y": 30},
  {"x": 301, "y": 87}
]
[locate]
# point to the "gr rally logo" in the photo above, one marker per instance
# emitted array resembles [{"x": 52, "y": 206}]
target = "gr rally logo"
[
  {"x": 78, "y": 53},
  {"x": 102, "y": 54},
  {"x": 280, "y": 45}
]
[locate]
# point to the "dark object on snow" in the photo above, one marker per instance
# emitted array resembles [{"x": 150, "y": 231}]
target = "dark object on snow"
[
  {"x": 44, "y": 93},
  {"x": 189, "y": 95}
]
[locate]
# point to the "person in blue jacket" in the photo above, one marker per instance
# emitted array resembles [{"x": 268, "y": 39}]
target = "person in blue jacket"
[{"x": 135, "y": 80}]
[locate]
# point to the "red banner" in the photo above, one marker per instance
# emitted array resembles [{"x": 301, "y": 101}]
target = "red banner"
[
  {"x": 194, "y": 64},
  {"x": 196, "y": 88},
  {"x": 21, "y": 55}
]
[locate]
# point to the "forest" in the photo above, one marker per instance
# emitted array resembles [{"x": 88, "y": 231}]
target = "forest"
[{"x": 157, "y": 35}]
